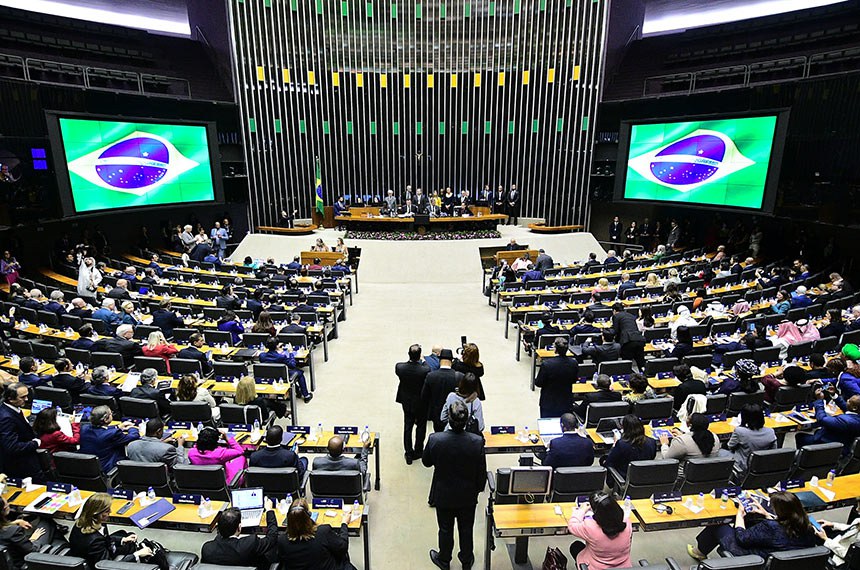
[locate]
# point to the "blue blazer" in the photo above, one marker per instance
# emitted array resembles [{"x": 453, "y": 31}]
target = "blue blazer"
[
  {"x": 235, "y": 328},
  {"x": 278, "y": 358},
  {"x": 569, "y": 450},
  {"x": 18, "y": 456},
  {"x": 106, "y": 443},
  {"x": 33, "y": 380},
  {"x": 843, "y": 428}
]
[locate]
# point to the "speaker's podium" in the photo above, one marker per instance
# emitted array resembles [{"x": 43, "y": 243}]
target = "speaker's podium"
[{"x": 421, "y": 223}]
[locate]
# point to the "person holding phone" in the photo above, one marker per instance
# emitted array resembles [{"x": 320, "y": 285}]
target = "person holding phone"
[
  {"x": 787, "y": 528},
  {"x": 471, "y": 362},
  {"x": 16, "y": 538},
  {"x": 605, "y": 531}
]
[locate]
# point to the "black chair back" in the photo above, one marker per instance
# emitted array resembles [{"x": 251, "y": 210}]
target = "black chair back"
[
  {"x": 828, "y": 343},
  {"x": 767, "y": 468},
  {"x": 107, "y": 359},
  {"x": 223, "y": 369},
  {"x": 816, "y": 460},
  {"x": 716, "y": 403},
  {"x": 769, "y": 354},
  {"x": 801, "y": 349},
  {"x": 346, "y": 485},
  {"x": 20, "y": 347},
  {"x": 851, "y": 463},
  {"x": 255, "y": 340},
  {"x": 702, "y": 361},
  {"x": 653, "y": 409},
  {"x": 181, "y": 336},
  {"x": 71, "y": 321},
  {"x": 47, "y": 352},
  {"x": 730, "y": 358},
  {"x": 787, "y": 397},
  {"x": 185, "y": 366},
  {"x": 207, "y": 480},
  {"x": 239, "y": 414},
  {"x": 191, "y": 412},
  {"x": 277, "y": 483},
  {"x": 39, "y": 561},
  {"x": 138, "y": 408},
  {"x": 644, "y": 478},
  {"x": 802, "y": 559},
  {"x": 271, "y": 371},
  {"x": 141, "y": 332},
  {"x": 658, "y": 333},
  {"x": 571, "y": 482},
  {"x": 48, "y": 318},
  {"x": 119, "y": 565},
  {"x": 704, "y": 474},
  {"x": 615, "y": 367},
  {"x": 143, "y": 362},
  {"x": 217, "y": 337},
  {"x": 599, "y": 410},
  {"x": 78, "y": 355},
  {"x": 95, "y": 400},
  {"x": 81, "y": 470},
  {"x": 658, "y": 365},
  {"x": 737, "y": 401},
  {"x": 59, "y": 397},
  {"x": 139, "y": 476}
]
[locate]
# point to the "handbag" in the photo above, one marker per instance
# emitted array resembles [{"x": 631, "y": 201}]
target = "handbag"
[
  {"x": 159, "y": 554},
  {"x": 554, "y": 559}
]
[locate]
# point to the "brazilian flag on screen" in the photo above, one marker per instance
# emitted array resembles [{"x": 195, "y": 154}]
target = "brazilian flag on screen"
[
  {"x": 719, "y": 162},
  {"x": 115, "y": 164}
]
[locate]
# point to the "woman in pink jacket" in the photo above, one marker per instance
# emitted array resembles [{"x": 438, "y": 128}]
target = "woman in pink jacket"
[
  {"x": 208, "y": 452},
  {"x": 607, "y": 533}
]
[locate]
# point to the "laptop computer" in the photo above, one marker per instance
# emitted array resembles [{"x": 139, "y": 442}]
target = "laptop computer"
[
  {"x": 549, "y": 429},
  {"x": 605, "y": 429},
  {"x": 250, "y": 504},
  {"x": 38, "y": 406}
]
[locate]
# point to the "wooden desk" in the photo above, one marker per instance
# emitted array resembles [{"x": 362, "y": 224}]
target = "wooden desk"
[
  {"x": 185, "y": 517},
  {"x": 395, "y": 223},
  {"x": 511, "y": 256},
  {"x": 508, "y": 443},
  {"x": 296, "y": 231},
  {"x": 320, "y": 445},
  {"x": 327, "y": 258}
]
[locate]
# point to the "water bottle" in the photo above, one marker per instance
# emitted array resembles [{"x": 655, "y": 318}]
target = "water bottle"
[
  {"x": 199, "y": 427},
  {"x": 525, "y": 433},
  {"x": 319, "y": 430},
  {"x": 628, "y": 505},
  {"x": 701, "y": 501},
  {"x": 356, "y": 508},
  {"x": 288, "y": 502},
  {"x": 150, "y": 494},
  {"x": 831, "y": 476},
  {"x": 365, "y": 435},
  {"x": 256, "y": 428},
  {"x": 112, "y": 371},
  {"x": 724, "y": 500}
]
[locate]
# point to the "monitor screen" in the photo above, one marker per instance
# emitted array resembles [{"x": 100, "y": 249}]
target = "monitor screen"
[
  {"x": 549, "y": 426},
  {"x": 38, "y": 406},
  {"x": 530, "y": 481},
  {"x": 248, "y": 498},
  {"x": 111, "y": 164},
  {"x": 728, "y": 162}
]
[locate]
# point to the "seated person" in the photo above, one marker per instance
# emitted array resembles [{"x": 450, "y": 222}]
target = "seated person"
[
  {"x": 66, "y": 379},
  {"x": 787, "y": 529},
  {"x": 571, "y": 449},
  {"x": 149, "y": 391},
  {"x": 843, "y": 428},
  {"x": 128, "y": 314},
  {"x": 86, "y": 338},
  {"x": 608, "y": 351},
  {"x": 121, "y": 344},
  {"x": 688, "y": 385},
  {"x": 51, "y": 437},
  {"x": 193, "y": 352},
  {"x": 633, "y": 446},
  {"x": 604, "y": 393},
  {"x": 295, "y": 326},
  {"x": 274, "y": 354},
  {"x": 190, "y": 390},
  {"x": 231, "y": 548},
  {"x": 743, "y": 379},
  {"x": 157, "y": 347},
  {"x": 276, "y": 455},
  {"x": 227, "y": 300},
  {"x": 697, "y": 442},
  {"x": 80, "y": 309},
  {"x": 229, "y": 322},
  {"x": 89, "y": 538},
  {"x": 27, "y": 373},
  {"x": 16, "y": 538},
  {"x": 606, "y": 533},
  {"x": 585, "y": 326},
  {"x": 208, "y": 452},
  {"x": 335, "y": 461},
  {"x": 791, "y": 376},
  {"x": 246, "y": 395},
  {"x": 99, "y": 384},
  {"x": 639, "y": 389},
  {"x": 166, "y": 319},
  {"x": 155, "y": 448},
  {"x": 749, "y": 437},
  {"x": 105, "y": 441},
  {"x": 683, "y": 344},
  {"x": 750, "y": 341},
  {"x": 308, "y": 546}
]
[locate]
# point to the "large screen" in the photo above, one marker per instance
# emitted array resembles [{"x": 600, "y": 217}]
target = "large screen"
[
  {"x": 110, "y": 164},
  {"x": 723, "y": 162}
]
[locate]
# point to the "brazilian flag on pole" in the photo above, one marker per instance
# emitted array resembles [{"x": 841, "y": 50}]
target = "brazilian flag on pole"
[{"x": 318, "y": 197}]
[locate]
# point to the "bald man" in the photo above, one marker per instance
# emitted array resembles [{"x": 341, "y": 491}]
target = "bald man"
[{"x": 335, "y": 460}]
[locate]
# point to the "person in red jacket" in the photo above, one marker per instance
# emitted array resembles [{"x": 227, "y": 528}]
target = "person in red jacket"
[
  {"x": 157, "y": 346},
  {"x": 52, "y": 437}
]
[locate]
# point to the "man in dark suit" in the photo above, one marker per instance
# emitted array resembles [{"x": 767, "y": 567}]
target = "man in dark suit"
[
  {"x": 605, "y": 352},
  {"x": 295, "y": 326},
  {"x": 569, "y": 450},
  {"x": 275, "y": 455},
  {"x": 628, "y": 335},
  {"x": 99, "y": 384},
  {"x": 120, "y": 291},
  {"x": 844, "y": 428},
  {"x": 107, "y": 313},
  {"x": 29, "y": 377},
  {"x": 688, "y": 385},
  {"x": 499, "y": 199},
  {"x": 193, "y": 352},
  {"x": 586, "y": 326},
  {"x": 17, "y": 439},
  {"x": 437, "y": 385},
  {"x": 556, "y": 379},
  {"x": 592, "y": 262},
  {"x": 121, "y": 344},
  {"x": 165, "y": 319},
  {"x": 604, "y": 393},
  {"x": 420, "y": 202},
  {"x": 616, "y": 229},
  {"x": 75, "y": 385},
  {"x": 55, "y": 305},
  {"x": 105, "y": 441},
  {"x": 227, "y": 300},
  {"x": 543, "y": 261},
  {"x": 79, "y": 309},
  {"x": 335, "y": 461},
  {"x": 412, "y": 375},
  {"x": 460, "y": 467},
  {"x": 148, "y": 391},
  {"x": 513, "y": 204},
  {"x": 228, "y": 548},
  {"x": 255, "y": 302}
]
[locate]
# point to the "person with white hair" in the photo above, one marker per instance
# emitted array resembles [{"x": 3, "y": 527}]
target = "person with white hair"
[
  {"x": 611, "y": 257},
  {"x": 188, "y": 239},
  {"x": 35, "y": 300},
  {"x": 799, "y": 298},
  {"x": 80, "y": 309},
  {"x": 121, "y": 344},
  {"x": 108, "y": 314},
  {"x": 55, "y": 305},
  {"x": 149, "y": 391}
]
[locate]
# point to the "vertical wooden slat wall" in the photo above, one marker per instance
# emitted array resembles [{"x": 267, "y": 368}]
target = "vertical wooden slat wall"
[{"x": 427, "y": 93}]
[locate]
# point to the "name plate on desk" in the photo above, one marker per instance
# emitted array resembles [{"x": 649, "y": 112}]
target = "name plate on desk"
[
  {"x": 503, "y": 430},
  {"x": 304, "y": 430},
  {"x": 620, "y": 377},
  {"x": 731, "y": 492},
  {"x": 239, "y": 427},
  {"x": 716, "y": 417},
  {"x": 15, "y": 482},
  {"x": 672, "y": 497},
  {"x": 225, "y": 378},
  {"x": 791, "y": 484},
  {"x": 346, "y": 430},
  {"x": 121, "y": 494},
  {"x": 266, "y": 380},
  {"x": 59, "y": 487},
  {"x": 320, "y": 504},
  {"x": 179, "y": 425},
  {"x": 803, "y": 407},
  {"x": 774, "y": 363},
  {"x": 664, "y": 375},
  {"x": 662, "y": 422},
  {"x": 187, "y": 499}
]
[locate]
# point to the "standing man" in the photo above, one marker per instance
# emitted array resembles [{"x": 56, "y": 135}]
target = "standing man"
[
  {"x": 391, "y": 203},
  {"x": 18, "y": 442},
  {"x": 616, "y": 229},
  {"x": 556, "y": 379},
  {"x": 499, "y": 201},
  {"x": 412, "y": 375},
  {"x": 543, "y": 261},
  {"x": 674, "y": 236},
  {"x": 460, "y": 468},
  {"x": 222, "y": 237},
  {"x": 513, "y": 204},
  {"x": 628, "y": 335},
  {"x": 646, "y": 234},
  {"x": 420, "y": 203},
  {"x": 437, "y": 385}
]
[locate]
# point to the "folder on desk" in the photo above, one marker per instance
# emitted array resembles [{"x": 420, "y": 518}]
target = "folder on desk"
[
  {"x": 145, "y": 517},
  {"x": 809, "y": 499}
]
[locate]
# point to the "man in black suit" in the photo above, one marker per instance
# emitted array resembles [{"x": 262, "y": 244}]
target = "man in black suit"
[
  {"x": 513, "y": 204},
  {"x": 609, "y": 350},
  {"x": 193, "y": 352},
  {"x": 592, "y": 261},
  {"x": 460, "y": 467},
  {"x": 604, "y": 393},
  {"x": 120, "y": 344},
  {"x": 255, "y": 302},
  {"x": 227, "y": 300},
  {"x": 437, "y": 385},
  {"x": 499, "y": 199},
  {"x": 412, "y": 375},
  {"x": 616, "y": 229},
  {"x": 229, "y": 549},
  {"x": 18, "y": 442},
  {"x": 569, "y": 450},
  {"x": 543, "y": 261},
  {"x": 148, "y": 391},
  {"x": 688, "y": 385},
  {"x": 275, "y": 455},
  {"x": 556, "y": 379},
  {"x": 165, "y": 319},
  {"x": 79, "y": 309},
  {"x": 586, "y": 326},
  {"x": 628, "y": 335},
  {"x": 420, "y": 203},
  {"x": 120, "y": 291},
  {"x": 75, "y": 385},
  {"x": 295, "y": 326}
]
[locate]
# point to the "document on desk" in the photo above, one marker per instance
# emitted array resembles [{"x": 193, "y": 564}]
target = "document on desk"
[
  {"x": 47, "y": 503},
  {"x": 131, "y": 381}
]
